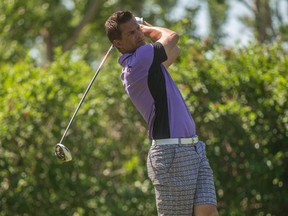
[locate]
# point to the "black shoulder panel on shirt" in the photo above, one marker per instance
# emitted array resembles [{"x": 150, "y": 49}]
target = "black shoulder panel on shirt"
[{"x": 157, "y": 87}]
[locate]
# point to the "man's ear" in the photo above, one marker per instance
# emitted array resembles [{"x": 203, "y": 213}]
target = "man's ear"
[{"x": 117, "y": 43}]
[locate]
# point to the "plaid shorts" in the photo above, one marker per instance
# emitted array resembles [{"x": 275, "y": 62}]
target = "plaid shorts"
[{"x": 182, "y": 178}]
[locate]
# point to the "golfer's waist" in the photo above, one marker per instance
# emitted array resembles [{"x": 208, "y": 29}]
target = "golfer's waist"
[{"x": 176, "y": 141}]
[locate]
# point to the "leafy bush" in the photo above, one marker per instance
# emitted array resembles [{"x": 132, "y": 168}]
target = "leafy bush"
[
  {"x": 236, "y": 96},
  {"x": 106, "y": 175}
]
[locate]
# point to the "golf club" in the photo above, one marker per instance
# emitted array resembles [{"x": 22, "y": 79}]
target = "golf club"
[{"x": 61, "y": 151}]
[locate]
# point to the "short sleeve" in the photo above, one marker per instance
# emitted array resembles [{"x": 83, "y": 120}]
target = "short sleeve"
[{"x": 159, "y": 53}]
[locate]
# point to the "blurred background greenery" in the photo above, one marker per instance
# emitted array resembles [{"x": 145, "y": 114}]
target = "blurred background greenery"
[{"x": 237, "y": 94}]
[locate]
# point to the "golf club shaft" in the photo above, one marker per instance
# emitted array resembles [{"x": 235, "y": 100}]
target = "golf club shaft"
[{"x": 86, "y": 91}]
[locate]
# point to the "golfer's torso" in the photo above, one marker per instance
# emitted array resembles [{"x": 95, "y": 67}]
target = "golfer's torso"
[{"x": 154, "y": 93}]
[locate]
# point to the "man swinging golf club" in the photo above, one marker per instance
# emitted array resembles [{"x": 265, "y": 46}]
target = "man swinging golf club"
[{"x": 176, "y": 163}]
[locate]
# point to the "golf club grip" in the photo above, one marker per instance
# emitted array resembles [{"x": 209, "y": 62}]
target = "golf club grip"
[{"x": 86, "y": 91}]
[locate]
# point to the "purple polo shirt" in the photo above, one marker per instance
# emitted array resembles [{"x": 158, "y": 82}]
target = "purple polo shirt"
[{"x": 154, "y": 93}]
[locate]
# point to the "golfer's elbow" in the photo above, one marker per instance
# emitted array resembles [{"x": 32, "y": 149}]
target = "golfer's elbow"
[
  {"x": 172, "y": 56},
  {"x": 174, "y": 38},
  {"x": 177, "y": 50}
]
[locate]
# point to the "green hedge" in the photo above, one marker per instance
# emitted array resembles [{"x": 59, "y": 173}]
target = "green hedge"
[{"x": 236, "y": 96}]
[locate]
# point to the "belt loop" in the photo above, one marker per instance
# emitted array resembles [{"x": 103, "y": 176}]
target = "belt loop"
[{"x": 179, "y": 141}]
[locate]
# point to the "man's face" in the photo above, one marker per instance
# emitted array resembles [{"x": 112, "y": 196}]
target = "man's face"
[{"x": 132, "y": 37}]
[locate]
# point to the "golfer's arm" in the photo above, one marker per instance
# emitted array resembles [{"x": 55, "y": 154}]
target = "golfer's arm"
[
  {"x": 167, "y": 38},
  {"x": 174, "y": 53}
]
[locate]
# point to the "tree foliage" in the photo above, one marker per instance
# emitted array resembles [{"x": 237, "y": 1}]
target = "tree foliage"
[
  {"x": 46, "y": 25},
  {"x": 268, "y": 19},
  {"x": 36, "y": 104},
  {"x": 237, "y": 96}
]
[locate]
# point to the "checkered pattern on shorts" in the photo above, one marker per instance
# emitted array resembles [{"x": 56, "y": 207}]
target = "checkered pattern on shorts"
[{"x": 182, "y": 178}]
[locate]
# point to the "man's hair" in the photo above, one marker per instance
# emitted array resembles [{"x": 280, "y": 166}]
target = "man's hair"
[{"x": 112, "y": 24}]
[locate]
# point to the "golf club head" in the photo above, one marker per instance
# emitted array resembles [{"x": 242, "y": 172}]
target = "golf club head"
[
  {"x": 139, "y": 20},
  {"x": 63, "y": 153}
]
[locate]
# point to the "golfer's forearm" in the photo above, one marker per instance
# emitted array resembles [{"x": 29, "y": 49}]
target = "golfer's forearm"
[{"x": 163, "y": 35}]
